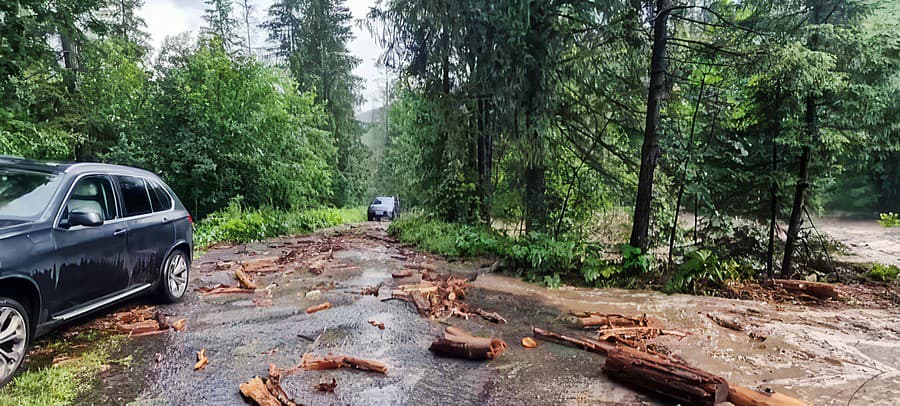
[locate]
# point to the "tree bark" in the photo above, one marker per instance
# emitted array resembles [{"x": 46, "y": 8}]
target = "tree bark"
[
  {"x": 650, "y": 150},
  {"x": 676, "y": 381},
  {"x": 802, "y": 184},
  {"x": 773, "y": 202}
]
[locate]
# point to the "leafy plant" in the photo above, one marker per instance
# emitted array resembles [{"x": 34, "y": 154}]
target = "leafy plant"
[
  {"x": 634, "y": 260},
  {"x": 701, "y": 269},
  {"x": 885, "y": 273},
  {"x": 889, "y": 219}
]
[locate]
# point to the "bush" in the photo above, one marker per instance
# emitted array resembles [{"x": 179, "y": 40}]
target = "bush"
[
  {"x": 889, "y": 219},
  {"x": 537, "y": 257},
  {"x": 885, "y": 273},
  {"x": 237, "y": 224},
  {"x": 702, "y": 271}
]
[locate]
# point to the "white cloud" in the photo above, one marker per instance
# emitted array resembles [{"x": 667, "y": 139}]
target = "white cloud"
[{"x": 171, "y": 17}]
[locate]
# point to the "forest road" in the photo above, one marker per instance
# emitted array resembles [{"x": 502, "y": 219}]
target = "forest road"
[{"x": 822, "y": 354}]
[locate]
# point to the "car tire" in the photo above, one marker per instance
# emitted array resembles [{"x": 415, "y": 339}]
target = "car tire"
[
  {"x": 15, "y": 335},
  {"x": 174, "y": 276},
  {"x": 371, "y": 218}
]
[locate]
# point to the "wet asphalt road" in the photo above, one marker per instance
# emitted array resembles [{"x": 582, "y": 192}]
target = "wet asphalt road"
[{"x": 820, "y": 355}]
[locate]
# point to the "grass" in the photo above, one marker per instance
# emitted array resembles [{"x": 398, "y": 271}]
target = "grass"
[
  {"x": 240, "y": 225},
  {"x": 885, "y": 273},
  {"x": 61, "y": 384}
]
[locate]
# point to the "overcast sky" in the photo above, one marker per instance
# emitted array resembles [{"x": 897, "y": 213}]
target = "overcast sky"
[{"x": 171, "y": 17}]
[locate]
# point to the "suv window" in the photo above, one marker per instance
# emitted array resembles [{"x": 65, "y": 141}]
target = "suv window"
[
  {"x": 25, "y": 194},
  {"x": 93, "y": 193},
  {"x": 135, "y": 196},
  {"x": 159, "y": 197}
]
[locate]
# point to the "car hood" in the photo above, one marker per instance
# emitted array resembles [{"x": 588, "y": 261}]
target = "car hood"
[{"x": 12, "y": 228}]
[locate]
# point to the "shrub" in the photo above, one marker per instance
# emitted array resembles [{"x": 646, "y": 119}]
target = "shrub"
[
  {"x": 237, "y": 224},
  {"x": 890, "y": 219},
  {"x": 702, "y": 270},
  {"x": 885, "y": 273}
]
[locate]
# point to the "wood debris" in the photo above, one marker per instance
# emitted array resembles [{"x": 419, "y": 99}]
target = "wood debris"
[
  {"x": 529, "y": 342},
  {"x": 458, "y": 343},
  {"x": 743, "y": 396},
  {"x": 402, "y": 274},
  {"x": 202, "y": 360},
  {"x": 421, "y": 265},
  {"x": 441, "y": 296},
  {"x": 673, "y": 380},
  {"x": 816, "y": 289},
  {"x": 372, "y": 290},
  {"x": 244, "y": 280},
  {"x": 736, "y": 326},
  {"x": 377, "y": 324},
  {"x": 327, "y": 387},
  {"x": 143, "y": 321},
  {"x": 318, "y": 308},
  {"x": 221, "y": 289},
  {"x": 311, "y": 362},
  {"x": 268, "y": 393}
]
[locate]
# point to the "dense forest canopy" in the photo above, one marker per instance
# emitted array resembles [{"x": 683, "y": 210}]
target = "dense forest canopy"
[{"x": 542, "y": 118}]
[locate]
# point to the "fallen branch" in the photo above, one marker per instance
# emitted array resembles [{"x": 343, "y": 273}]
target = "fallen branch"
[
  {"x": 273, "y": 386},
  {"x": 256, "y": 390},
  {"x": 377, "y": 324},
  {"x": 313, "y": 363},
  {"x": 402, "y": 274},
  {"x": 372, "y": 290},
  {"x": 458, "y": 343},
  {"x": 223, "y": 289},
  {"x": 490, "y": 316},
  {"x": 736, "y": 326},
  {"x": 318, "y": 308},
  {"x": 598, "y": 347}
]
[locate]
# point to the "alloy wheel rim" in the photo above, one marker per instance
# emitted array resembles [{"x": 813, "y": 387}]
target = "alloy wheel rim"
[
  {"x": 13, "y": 335},
  {"x": 177, "y": 272}
]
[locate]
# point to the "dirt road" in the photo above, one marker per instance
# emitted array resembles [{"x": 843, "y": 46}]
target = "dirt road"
[{"x": 824, "y": 355}]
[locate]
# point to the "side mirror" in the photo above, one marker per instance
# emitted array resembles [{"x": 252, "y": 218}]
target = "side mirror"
[{"x": 85, "y": 217}]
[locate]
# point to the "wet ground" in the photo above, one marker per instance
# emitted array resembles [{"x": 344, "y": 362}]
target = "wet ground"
[
  {"x": 824, "y": 354},
  {"x": 867, "y": 240}
]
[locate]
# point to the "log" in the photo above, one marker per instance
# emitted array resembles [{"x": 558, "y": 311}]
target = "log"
[
  {"x": 138, "y": 327},
  {"x": 727, "y": 323},
  {"x": 318, "y": 308},
  {"x": 223, "y": 289},
  {"x": 598, "y": 347},
  {"x": 243, "y": 279},
  {"x": 402, "y": 274},
  {"x": 257, "y": 391},
  {"x": 258, "y": 264},
  {"x": 458, "y": 343},
  {"x": 313, "y": 363},
  {"x": 599, "y": 320},
  {"x": 421, "y": 265},
  {"x": 680, "y": 382},
  {"x": 743, "y": 396},
  {"x": 817, "y": 289}
]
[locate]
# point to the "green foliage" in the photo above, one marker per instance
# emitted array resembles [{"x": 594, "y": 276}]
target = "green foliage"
[
  {"x": 536, "y": 256},
  {"x": 634, "y": 260},
  {"x": 702, "y": 270},
  {"x": 889, "y": 219},
  {"x": 238, "y": 224},
  {"x": 885, "y": 273}
]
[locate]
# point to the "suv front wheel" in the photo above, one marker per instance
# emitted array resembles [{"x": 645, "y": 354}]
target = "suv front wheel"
[
  {"x": 15, "y": 331},
  {"x": 174, "y": 274}
]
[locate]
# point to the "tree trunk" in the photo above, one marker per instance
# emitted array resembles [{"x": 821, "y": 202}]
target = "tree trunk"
[
  {"x": 650, "y": 149},
  {"x": 485, "y": 161},
  {"x": 690, "y": 157},
  {"x": 802, "y": 184},
  {"x": 675, "y": 381},
  {"x": 773, "y": 203}
]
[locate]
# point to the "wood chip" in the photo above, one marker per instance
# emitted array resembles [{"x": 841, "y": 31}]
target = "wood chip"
[
  {"x": 202, "y": 361},
  {"x": 377, "y": 324},
  {"x": 402, "y": 274},
  {"x": 243, "y": 279},
  {"x": 311, "y": 362},
  {"x": 327, "y": 387},
  {"x": 529, "y": 342}
]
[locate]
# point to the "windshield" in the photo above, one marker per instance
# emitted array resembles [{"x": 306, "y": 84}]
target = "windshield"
[{"x": 25, "y": 194}]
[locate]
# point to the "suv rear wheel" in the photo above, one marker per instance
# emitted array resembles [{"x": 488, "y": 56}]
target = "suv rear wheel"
[
  {"x": 15, "y": 333},
  {"x": 174, "y": 274}
]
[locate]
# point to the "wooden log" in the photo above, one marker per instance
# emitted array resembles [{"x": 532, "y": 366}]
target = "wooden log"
[
  {"x": 223, "y": 289},
  {"x": 243, "y": 279},
  {"x": 817, "y": 289},
  {"x": 311, "y": 362},
  {"x": 490, "y": 316},
  {"x": 402, "y": 274},
  {"x": 743, "y": 396},
  {"x": 138, "y": 327},
  {"x": 598, "y": 347},
  {"x": 421, "y": 265},
  {"x": 680, "y": 382},
  {"x": 318, "y": 308},
  {"x": 458, "y": 343},
  {"x": 256, "y": 264}
]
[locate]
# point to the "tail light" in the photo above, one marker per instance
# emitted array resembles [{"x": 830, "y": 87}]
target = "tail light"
[{"x": 191, "y": 219}]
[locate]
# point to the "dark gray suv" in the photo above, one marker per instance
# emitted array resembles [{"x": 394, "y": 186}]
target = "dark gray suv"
[{"x": 77, "y": 237}]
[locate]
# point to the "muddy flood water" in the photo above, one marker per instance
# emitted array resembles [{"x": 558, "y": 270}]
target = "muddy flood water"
[{"x": 823, "y": 354}]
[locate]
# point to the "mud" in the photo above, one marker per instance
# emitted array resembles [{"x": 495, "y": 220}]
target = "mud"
[
  {"x": 820, "y": 354},
  {"x": 867, "y": 240}
]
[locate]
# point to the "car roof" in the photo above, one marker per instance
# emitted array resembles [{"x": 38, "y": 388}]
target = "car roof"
[
  {"x": 385, "y": 198},
  {"x": 73, "y": 168}
]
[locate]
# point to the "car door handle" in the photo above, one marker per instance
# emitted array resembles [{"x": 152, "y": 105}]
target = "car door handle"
[{"x": 120, "y": 232}]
